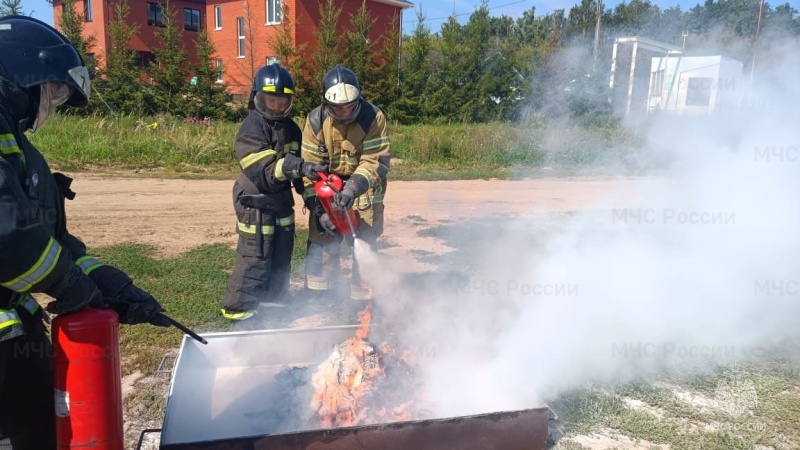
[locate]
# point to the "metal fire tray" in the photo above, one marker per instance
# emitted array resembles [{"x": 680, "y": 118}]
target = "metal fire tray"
[{"x": 220, "y": 399}]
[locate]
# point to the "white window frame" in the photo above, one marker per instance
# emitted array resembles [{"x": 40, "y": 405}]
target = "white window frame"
[
  {"x": 219, "y": 70},
  {"x": 88, "y": 11},
  {"x": 218, "y": 17},
  {"x": 240, "y": 48},
  {"x": 273, "y": 9}
]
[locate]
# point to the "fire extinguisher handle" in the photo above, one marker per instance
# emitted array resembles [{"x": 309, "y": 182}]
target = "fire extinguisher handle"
[{"x": 322, "y": 175}]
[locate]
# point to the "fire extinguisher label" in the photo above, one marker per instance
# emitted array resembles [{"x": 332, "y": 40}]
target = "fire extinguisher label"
[{"x": 62, "y": 403}]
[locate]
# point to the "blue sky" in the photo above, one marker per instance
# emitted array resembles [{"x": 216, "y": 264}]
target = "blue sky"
[{"x": 437, "y": 11}]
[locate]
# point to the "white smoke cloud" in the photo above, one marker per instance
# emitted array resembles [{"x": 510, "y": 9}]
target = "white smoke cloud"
[{"x": 702, "y": 268}]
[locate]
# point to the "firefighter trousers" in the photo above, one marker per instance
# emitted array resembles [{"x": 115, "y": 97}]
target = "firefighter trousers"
[
  {"x": 261, "y": 275},
  {"x": 323, "y": 253},
  {"x": 27, "y": 405}
]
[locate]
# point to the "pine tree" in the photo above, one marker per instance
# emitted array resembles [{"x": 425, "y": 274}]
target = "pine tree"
[
  {"x": 305, "y": 97},
  {"x": 359, "y": 48},
  {"x": 71, "y": 26},
  {"x": 209, "y": 98},
  {"x": 121, "y": 88},
  {"x": 169, "y": 69},
  {"x": 11, "y": 7},
  {"x": 327, "y": 53}
]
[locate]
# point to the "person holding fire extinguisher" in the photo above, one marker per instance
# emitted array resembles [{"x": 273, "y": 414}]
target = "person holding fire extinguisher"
[
  {"x": 39, "y": 71},
  {"x": 268, "y": 150},
  {"x": 349, "y": 134}
]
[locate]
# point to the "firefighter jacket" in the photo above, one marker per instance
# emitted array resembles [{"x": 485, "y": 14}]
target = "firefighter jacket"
[
  {"x": 356, "y": 149},
  {"x": 36, "y": 251},
  {"x": 260, "y": 147}
]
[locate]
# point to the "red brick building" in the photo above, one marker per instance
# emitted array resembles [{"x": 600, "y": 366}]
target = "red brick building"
[{"x": 230, "y": 24}]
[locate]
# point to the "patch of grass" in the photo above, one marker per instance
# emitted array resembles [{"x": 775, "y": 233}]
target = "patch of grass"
[{"x": 131, "y": 146}]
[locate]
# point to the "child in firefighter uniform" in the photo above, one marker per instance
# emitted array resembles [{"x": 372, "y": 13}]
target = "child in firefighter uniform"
[
  {"x": 349, "y": 134},
  {"x": 267, "y": 147},
  {"x": 40, "y": 70}
]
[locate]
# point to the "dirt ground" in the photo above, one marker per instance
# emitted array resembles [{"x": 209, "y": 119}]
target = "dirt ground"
[{"x": 177, "y": 215}]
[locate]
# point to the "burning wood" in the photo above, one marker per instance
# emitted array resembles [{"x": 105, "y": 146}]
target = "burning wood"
[{"x": 353, "y": 385}]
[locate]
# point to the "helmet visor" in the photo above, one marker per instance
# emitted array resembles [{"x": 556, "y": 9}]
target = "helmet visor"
[
  {"x": 273, "y": 106},
  {"x": 345, "y": 113},
  {"x": 51, "y": 95}
]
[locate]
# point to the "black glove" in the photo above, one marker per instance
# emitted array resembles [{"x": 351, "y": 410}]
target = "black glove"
[
  {"x": 136, "y": 306},
  {"x": 294, "y": 167},
  {"x": 343, "y": 200},
  {"x": 356, "y": 186},
  {"x": 74, "y": 292},
  {"x": 325, "y": 224},
  {"x": 133, "y": 305}
]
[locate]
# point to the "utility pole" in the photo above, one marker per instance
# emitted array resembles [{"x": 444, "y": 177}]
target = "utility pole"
[
  {"x": 599, "y": 15},
  {"x": 755, "y": 43}
]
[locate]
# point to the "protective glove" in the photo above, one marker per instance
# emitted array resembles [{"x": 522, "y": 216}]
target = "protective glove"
[
  {"x": 133, "y": 305},
  {"x": 136, "y": 306},
  {"x": 354, "y": 187},
  {"x": 344, "y": 199},
  {"x": 74, "y": 292},
  {"x": 294, "y": 167},
  {"x": 325, "y": 224}
]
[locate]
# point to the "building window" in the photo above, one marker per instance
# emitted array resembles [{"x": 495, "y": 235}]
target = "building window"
[
  {"x": 219, "y": 70},
  {"x": 657, "y": 82},
  {"x": 240, "y": 31},
  {"x": 87, "y": 10},
  {"x": 272, "y": 60},
  {"x": 218, "y": 17},
  {"x": 144, "y": 59},
  {"x": 155, "y": 15},
  {"x": 698, "y": 93},
  {"x": 273, "y": 12},
  {"x": 191, "y": 19}
]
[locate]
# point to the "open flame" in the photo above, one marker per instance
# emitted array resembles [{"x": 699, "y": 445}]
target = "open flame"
[{"x": 348, "y": 384}]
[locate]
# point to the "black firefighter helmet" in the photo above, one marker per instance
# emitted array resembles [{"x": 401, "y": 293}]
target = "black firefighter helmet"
[
  {"x": 34, "y": 53},
  {"x": 273, "y": 92}
]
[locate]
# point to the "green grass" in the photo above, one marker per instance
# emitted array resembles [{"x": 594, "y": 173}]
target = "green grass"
[
  {"x": 126, "y": 146},
  {"x": 189, "y": 286}
]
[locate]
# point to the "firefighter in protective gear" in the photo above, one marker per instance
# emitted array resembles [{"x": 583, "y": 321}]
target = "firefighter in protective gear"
[
  {"x": 349, "y": 134},
  {"x": 40, "y": 70},
  {"x": 268, "y": 150}
]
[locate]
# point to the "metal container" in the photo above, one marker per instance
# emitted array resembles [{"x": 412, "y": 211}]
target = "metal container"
[{"x": 220, "y": 399}]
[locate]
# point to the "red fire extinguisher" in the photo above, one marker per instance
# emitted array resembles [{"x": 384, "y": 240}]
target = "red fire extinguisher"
[
  {"x": 326, "y": 187},
  {"x": 88, "y": 386}
]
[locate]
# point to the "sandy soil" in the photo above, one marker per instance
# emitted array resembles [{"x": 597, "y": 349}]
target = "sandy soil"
[{"x": 177, "y": 215}]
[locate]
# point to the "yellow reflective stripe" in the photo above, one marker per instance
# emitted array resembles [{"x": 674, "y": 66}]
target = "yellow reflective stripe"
[
  {"x": 365, "y": 173},
  {"x": 253, "y": 158},
  {"x": 251, "y": 229},
  {"x": 285, "y": 221},
  {"x": 316, "y": 283},
  {"x": 345, "y": 160},
  {"x": 46, "y": 263},
  {"x": 30, "y": 304},
  {"x": 87, "y": 264},
  {"x": 292, "y": 146},
  {"x": 375, "y": 144},
  {"x": 272, "y": 89},
  {"x": 8, "y": 317},
  {"x": 367, "y": 200},
  {"x": 314, "y": 150},
  {"x": 235, "y": 316},
  {"x": 279, "y": 175},
  {"x": 8, "y": 144}
]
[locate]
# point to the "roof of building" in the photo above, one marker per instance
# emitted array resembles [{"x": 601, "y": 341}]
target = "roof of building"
[{"x": 401, "y": 3}]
